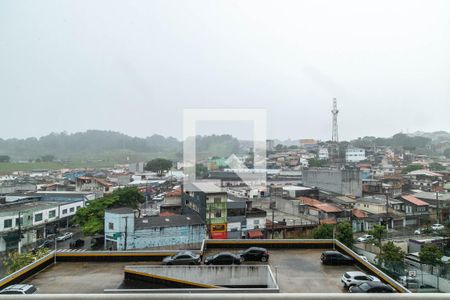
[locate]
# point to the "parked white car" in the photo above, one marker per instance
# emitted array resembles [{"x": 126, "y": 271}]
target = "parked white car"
[
  {"x": 363, "y": 258},
  {"x": 354, "y": 278},
  {"x": 65, "y": 236},
  {"x": 365, "y": 238},
  {"x": 418, "y": 231},
  {"x": 437, "y": 227}
]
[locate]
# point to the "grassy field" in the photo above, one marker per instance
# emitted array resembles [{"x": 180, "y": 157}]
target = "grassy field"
[
  {"x": 7, "y": 168},
  {"x": 93, "y": 160}
]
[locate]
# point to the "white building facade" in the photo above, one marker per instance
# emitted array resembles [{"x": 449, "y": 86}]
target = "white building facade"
[{"x": 355, "y": 155}]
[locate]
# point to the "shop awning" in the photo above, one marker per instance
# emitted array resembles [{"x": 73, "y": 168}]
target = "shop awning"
[
  {"x": 11, "y": 237},
  {"x": 255, "y": 234}
]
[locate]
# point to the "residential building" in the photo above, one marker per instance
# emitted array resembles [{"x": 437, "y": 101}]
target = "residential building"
[
  {"x": 439, "y": 209},
  {"x": 37, "y": 218},
  {"x": 92, "y": 184},
  {"x": 325, "y": 213},
  {"x": 416, "y": 210},
  {"x": 293, "y": 191},
  {"x": 377, "y": 206},
  {"x": 425, "y": 180},
  {"x": 210, "y": 202},
  {"x": 323, "y": 154},
  {"x": 354, "y": 155},
  {"x": 124, "y": 231}
]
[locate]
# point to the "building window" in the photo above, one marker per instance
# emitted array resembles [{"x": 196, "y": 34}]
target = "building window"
[
  {"x": 72, "y": 209},
  {"x": 218, "y": 213},
  {"x": 217, "y": 200},
  {"x": 111, "y": 226},
  {"x": 52, "y": 214},
  {"x": 64, "y": 211},
  {"x": 7, "y": 223},
  {"x": 38, "y": 217},
  {"x": 17, "y": 221},
  {"x": 78, "y": 207},
  {"x": 256, "y": 222}
]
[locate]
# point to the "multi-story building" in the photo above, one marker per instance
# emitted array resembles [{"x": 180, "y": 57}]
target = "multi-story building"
[
  {"x": 354, "y": 155},
  {"x": 210, "y": 202},
  {"x": 424, "y": 180},
  {"x": 36, "y": 219},
  {"x": 415, "y": 210},
  {"x": 323, "y": 154},
  {"x": 41, "y": 213}
]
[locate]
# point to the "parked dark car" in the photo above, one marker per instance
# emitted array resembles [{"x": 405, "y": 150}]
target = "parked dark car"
[
  {"x": 183, "y": 258},
  {"x": 335, "y": 258},
  {"x": 371, "y": 287},
  {"x": 224, "y": 258},
  {"x": 77, "y": 244},
  {"x": 254, "y": 254},
  {"x": 45, "y": 244}
]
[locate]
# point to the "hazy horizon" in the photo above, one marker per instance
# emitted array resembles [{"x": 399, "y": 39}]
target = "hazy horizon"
[
  {"x": 133, "y": 67},
  {"x": 179, "y": 139}
]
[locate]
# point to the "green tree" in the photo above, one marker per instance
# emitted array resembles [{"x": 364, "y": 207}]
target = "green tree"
[
  {"x": 436, "y": 167},
  {"x": 314, "y": 162},
  {"x": 201, "y": 171},
  {"x": 4, "y": 159},
  {"x": 158, "y": 165},
  {"x": 430, "y": 254},
  {"x": 411, "y": 168},
  {"x": 15, "y": 261},
  {"x": 345, "y": 233},
  {"x": 279, "y": 147},
  {"x": 378, "y": 233},
  {"x": 91, "y": 218},
  {"x": 392, "y": 257},
  {"x": 323, "y": 231}
]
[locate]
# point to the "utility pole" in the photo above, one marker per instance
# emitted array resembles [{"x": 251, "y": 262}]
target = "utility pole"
[
  {"x": 387, "y": 211},
  {"x": 126, "y": 233},
  {"x": 273, "y": 221},
  {"x": 19, "y": 244},
  {"x": 437, "y": 207},
  {"x": 56, "y": 246}
]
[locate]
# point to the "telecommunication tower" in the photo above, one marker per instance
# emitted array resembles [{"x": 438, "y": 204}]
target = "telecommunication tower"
[{"x": 335, "y": 111}]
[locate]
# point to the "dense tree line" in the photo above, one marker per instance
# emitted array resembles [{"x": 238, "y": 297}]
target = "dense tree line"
[
  {"x": 66, "y": 146},
  {"x": 399, "y": 140}
]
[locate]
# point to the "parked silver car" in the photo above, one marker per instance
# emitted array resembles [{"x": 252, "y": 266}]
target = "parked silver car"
[
  {"x": 356, "y": 277},
  {"x": 183, "y": 258},
  {"x": 19, "y": 289},
  {"x": 65, "y": 236}
]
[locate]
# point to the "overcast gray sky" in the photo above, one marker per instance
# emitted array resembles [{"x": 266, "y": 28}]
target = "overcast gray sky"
[{"x": 132, "y": 66}]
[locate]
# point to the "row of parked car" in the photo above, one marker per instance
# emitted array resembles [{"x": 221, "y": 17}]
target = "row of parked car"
[
  {"x": 222, "y": 258},
  {"x": 356, "y": 281},
  {"x": 360, "y": 282},
  {"x": 433, "y": 228}
]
